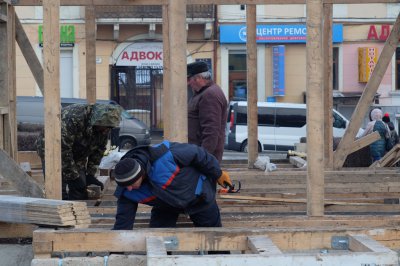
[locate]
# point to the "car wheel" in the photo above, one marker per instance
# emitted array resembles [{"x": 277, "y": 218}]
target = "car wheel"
[
  {"x": 127, "y": 143},
  {"x": 244, "y": 147}
]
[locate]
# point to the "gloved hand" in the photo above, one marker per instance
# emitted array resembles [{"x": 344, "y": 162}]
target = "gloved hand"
[
  {"x": 91, "y": 180},
  {"x": 76, "y": 184},
  {"x": 224, "y": 180}
]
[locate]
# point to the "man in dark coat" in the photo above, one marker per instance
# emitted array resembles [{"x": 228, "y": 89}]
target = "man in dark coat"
[
  {"x": 207, "y": 110},
  {"x": 84, "y": 134},
  {"x": 172, "y": 177}
]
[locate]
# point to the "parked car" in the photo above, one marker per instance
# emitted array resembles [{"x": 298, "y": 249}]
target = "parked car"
[
  {"x": 280, "y": 125},
  {"x": 131, "y": 131}
]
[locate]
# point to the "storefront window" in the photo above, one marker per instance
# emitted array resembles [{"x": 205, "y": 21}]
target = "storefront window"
[
  {"x": 335, "y": 67},
  {"x": 398, "y": 68},
  {"x": 237, "y": 75}
]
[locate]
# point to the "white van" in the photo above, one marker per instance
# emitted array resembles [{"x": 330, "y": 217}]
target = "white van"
[{"x": 280, "y": 125}]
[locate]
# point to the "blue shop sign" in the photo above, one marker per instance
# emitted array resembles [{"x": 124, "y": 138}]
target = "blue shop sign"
[
  {"x": 274, "y": 33},
  {"x": 278, "y": 70}
]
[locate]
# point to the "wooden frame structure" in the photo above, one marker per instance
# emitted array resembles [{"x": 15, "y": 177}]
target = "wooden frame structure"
[
  {"x": 250, "y": 247},
  {"x": 319, "y": 24}
]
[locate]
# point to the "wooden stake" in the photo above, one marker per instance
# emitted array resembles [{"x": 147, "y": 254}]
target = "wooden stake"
[
  {"x": 52, "y": 103},
  {"x": 252, "y": 120},
  {"x": 315, "y": 110}
]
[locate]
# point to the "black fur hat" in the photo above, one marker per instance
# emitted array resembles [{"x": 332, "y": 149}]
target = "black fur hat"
[{"x": 196, "y": 68}]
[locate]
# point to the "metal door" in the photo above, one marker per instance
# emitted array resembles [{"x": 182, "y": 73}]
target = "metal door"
[{"x": 139, "y": 90}]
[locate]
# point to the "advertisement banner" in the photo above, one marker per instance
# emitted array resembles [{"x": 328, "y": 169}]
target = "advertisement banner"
[
  {"x": 142, "y": 55},
  {"x": 367, "y": 59},
  {"x": 290, "y": 33}
]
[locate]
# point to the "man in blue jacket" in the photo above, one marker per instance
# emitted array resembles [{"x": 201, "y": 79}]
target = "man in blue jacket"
[{"x": 172, "y": 177}]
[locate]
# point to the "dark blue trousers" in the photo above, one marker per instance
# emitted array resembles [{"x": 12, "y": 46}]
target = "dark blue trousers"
[{"x": 164, "y": 216}]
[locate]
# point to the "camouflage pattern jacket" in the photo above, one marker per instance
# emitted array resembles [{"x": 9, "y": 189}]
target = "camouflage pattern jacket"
[{"x": 81, "y": 146}]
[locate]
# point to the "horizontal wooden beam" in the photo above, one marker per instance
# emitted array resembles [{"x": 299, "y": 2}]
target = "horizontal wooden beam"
[
  {"x": 191, "y": 2},
  {"x": 46, "y": 242}
]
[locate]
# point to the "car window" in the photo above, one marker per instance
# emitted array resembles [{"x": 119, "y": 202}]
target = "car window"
[
  {"x": 290, "y": 117},
  {"x": 338, "y": 121},
  {"x": 265, "y": 116}
]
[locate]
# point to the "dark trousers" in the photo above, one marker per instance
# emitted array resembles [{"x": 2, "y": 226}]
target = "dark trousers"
[
  {"x": 163, "y": 217},
  {"x": 72, "y": 193}
]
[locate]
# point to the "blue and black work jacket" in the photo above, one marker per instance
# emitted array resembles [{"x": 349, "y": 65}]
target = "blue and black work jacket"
[{"x": 179, "y": 175}]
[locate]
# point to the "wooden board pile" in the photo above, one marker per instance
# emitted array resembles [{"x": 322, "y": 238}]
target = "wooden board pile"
[{"x": 44, "y": 212}]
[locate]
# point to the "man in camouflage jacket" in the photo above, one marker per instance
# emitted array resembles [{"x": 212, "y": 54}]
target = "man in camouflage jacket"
[{"x": 84, "y": 133}]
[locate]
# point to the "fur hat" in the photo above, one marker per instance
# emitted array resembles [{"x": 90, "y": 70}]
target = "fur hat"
[
  {"x": 127, "y": 171},
  {"x": 196, "y": 68}
]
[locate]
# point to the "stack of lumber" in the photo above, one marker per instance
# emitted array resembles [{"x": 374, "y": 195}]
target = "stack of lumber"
[{"x": 44, "y": 212}]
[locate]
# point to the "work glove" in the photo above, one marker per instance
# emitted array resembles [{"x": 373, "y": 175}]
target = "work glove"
[
  {"x": 224, "y": 180},
  {"x": 91, "y": 180},
  {"x": 76, "y": 184}
]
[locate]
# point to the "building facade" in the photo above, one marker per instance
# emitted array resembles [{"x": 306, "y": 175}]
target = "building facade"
[{"x": 129, "y": 53}]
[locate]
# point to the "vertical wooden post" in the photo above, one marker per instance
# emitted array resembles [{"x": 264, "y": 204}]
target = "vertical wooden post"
[
  {"x": 315, "y": 110},
  {"x": 252, "y": 112},
  {"x": 178, "y": 83},
  {"x": 4, "y": 65},
  {"x": 12, "y": 89},
  {"x": 166, "y": 74},
  {"x": 52, "y": 113},
  {"x": 90, "y": 31},
  {"x": 328, "y": 85}
]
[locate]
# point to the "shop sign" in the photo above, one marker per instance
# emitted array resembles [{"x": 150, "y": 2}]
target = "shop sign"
[
  {"x": 367, "y": 59},
  {"x": 374, "y": 33},
  {"x": 273, "y": 33},
  {"x": 67, "y": 35},
  {"x": 148, "y": 54},
  {"x": 278, "y": 70}
]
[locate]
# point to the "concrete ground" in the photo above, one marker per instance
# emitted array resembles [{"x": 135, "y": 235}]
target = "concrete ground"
[{"x": 15, "y": 255}]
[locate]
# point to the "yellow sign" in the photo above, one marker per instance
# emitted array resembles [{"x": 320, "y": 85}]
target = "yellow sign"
[{"x": 367, "y": 58}]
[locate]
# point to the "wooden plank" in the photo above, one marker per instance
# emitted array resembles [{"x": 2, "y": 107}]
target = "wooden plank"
[
  {"x": 29, "y": 54},
  {"x": 12, "y": 80},
  {"x": 314, "y": 259},
  {"x": 199, "y": 2},
  {"x": 390, "y": 158},
  {"x": 363, "y": 243},
  {"x": 30, "y": 156},
  {"x": 90, "y": 33},
  {"x": 190, "y": 239},
  {"x": 155, "y": 247},
  {"x": 11, "y": 171},
  {"x": 364, "y": 141},
  {"x": 178, "y": 95},
  {"x": 327, "y": 46},
  {"x": 4, "y": 67},
  {"x": 315, "y": 109},
  {"x": 13, "y": 230},
  {"x": 166, "y": 74},
  {"x": 251, "y": 62},
  {"x": 368, "y": 95},
  {"x": 263, "y": 245},
  {"x": 237, "y": 197},
  {"x": 52, "y": 103}
]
